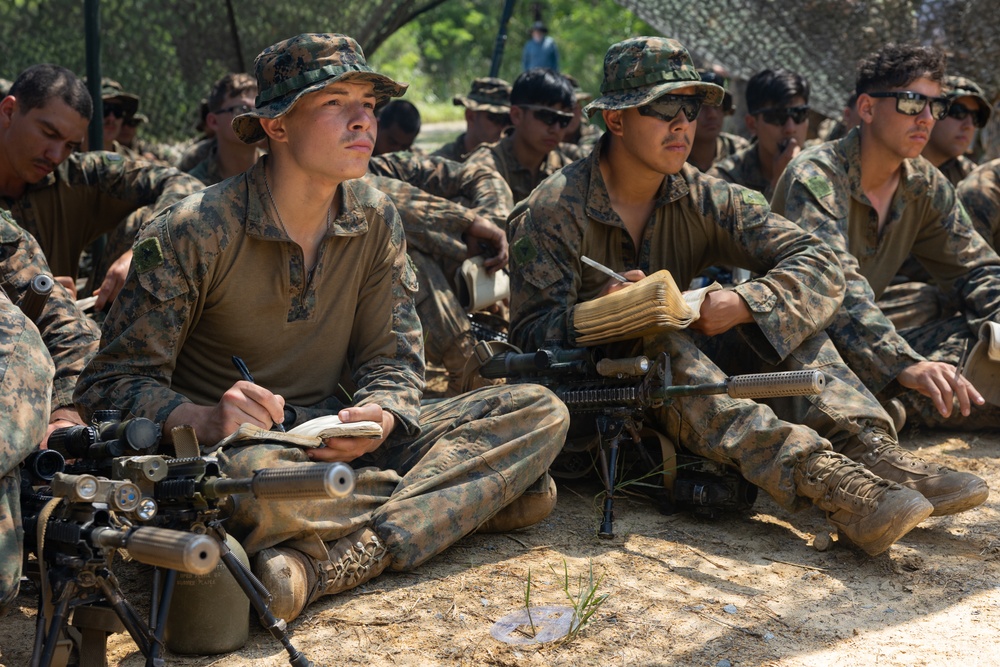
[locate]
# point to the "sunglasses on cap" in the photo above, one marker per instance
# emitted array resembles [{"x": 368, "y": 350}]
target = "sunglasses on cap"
[
  {"x": 116, "y": 110},
  {"x": 780, "y": 115},
  {"x": 548, "y": 116},
  {"x": 961, "y": 112},
  {"x": 910, "y": 103},
  {"x": 666, "y": 107},
  {"x": 498, "y": 118},
  {"x": 236, "y": 109}
]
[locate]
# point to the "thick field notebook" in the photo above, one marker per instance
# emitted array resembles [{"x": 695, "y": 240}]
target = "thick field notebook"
[{"x": 651, "y": 305}]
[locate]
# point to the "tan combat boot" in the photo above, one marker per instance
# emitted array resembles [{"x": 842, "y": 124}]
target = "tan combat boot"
[
  {"x": 296, "y": 579},
  {"x": 869, "y": 511},
  {"x": 948, "y": 491},
  {"x": 529, "y": 508}
]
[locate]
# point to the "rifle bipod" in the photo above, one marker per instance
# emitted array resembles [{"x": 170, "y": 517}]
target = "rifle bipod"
[{"x": 251, "y": 586}]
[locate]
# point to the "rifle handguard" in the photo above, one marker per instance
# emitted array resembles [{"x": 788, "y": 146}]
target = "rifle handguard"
[
  {"x": 333, "y": 480},
  {"x": 162, "y": 547},
  {"x": 773, "y": 385}
]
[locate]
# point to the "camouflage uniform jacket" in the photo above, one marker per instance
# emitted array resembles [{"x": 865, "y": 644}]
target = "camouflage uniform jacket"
[
  {"x": 821, "y": 190},
  {"x": 70, "y": 336},
  {"x": 207, "y": 171},
  {"x": 453, "y": 150},
  {"x": 957, "y": 169},
  {"x": 698, "y": 221},
  {"x": 980, "y": 193},
  {"x": 216, "y": 275},
  {"x": 89, "y": 194},
  {"x": 743, "y": 168},
  {"x": 473, "y": 185},
  {"x": 500, "y": 157},
  {"x": 197, "y": 151}
]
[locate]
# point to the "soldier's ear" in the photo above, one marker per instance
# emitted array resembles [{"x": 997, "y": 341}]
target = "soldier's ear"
[
  {"x": 865, "y": 108},
  {"x": 751, "y": 123},
  {"x": 8, "y": 106},
  {"x": 275, "y": 128},
  {"x": 613, "y": 120}
]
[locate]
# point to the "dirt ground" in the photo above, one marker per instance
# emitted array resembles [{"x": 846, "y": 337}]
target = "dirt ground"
[{"x": 739, "y": 590}]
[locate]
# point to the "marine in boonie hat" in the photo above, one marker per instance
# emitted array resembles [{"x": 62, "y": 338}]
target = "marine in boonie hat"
[
  {"x": 488, "y": 94},
  {"x": 960, "y": 86},
  {"x": 112, "y": 91},
  {"x": 638, "y": 70},
  {"x": 301, "y": 65}
]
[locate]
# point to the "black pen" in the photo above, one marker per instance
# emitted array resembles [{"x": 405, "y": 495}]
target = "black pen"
[{"x": 245, "y": 374}]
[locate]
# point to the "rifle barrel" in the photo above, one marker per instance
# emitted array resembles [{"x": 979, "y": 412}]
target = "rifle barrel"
[{"x": 171, "y": 549}]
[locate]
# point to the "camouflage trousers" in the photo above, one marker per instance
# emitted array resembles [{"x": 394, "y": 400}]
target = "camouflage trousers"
[
  {"x": 764, "y": 440},
  {"x": 944, "y": 340},
  {"x": 25, "y": 390},
  {"x": 914, "y": 304},
  {"x": 443, "y": 319},
  {"x": 475, "y": 453}
]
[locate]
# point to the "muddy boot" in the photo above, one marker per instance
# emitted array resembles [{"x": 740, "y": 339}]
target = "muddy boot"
[
  {"x": 867, "y": 510},
  {"x": 948, "y": 491},
  {"x": 296, "y": 579},
  {"x": 897, "y": 413},
  {"x": 529, "y": 508}
]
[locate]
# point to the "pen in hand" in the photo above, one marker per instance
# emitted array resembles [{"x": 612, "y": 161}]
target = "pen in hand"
[
  {"x": 245, "y": 374},
  {"x": 603, "y": 269}
]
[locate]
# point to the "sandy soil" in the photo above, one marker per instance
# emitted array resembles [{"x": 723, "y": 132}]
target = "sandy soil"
[{"x": 739, "y": 590}]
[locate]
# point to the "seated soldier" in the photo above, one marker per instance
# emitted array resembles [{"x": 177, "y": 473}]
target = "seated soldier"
[
  {"x": 37, "y": 374},
  {"x": 304, "y": 275},
  {"x": 230, "y": 96},
  {"x": 636, "y": 207},
  {"x": 398, "y": 127},
  {"x": 953, "y": 135},
  {"x": 118, "y": 105},
  {"x": 876, "y": 201},
  {"x": 711, "y": 145},
  {"x": 487, "y": 114},
  {"x": 67, "y": 199},
  {"x": 980, "y": 193},
  {"x": 778, "y": 103},
  {"x": 541, "y": 108},
  {"x": 580, "y": 132}
]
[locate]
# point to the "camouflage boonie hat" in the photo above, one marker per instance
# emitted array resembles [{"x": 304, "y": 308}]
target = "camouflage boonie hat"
[
  {"x": 112, "y": 91},
  {"x": 959, "y": 86},
  {"x": 711, "y": 76},
  {"x": 488, "y": 94},
  {"x": 579, "y": 93},
  {"x": 638, "y": 70},
  {"x": 301, "y": 65}
]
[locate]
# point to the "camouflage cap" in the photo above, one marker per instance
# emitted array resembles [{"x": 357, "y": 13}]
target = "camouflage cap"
[
  {"x": 579, "y": 93},
  {"x": 711, "y": 76},
  {"x": 487, "y": 94},
  {"x": 959, "y": 86},
  {"x": 301, "y": 65},
  {"x": 112, "y": 91},
  {"x": 640, "y": 69}
]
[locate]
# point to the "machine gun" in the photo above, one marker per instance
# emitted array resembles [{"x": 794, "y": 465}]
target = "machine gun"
[
  {"x": 75, "y": 527},
  {"x": 191, "y": 494},
  {"x": 610, "y": 396},
  {"x": 186, "y": 497}
]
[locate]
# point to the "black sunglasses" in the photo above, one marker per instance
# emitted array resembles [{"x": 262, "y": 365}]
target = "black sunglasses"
[
  {"x": 666, "y": 107},
  {"x": 236, "y": 109},
  {"x": 780, "y": 115},
  {"x": 115, "y": 110},
  {"x": 498, "y": 118},
  {"x": 549, "y": 116},
  {"x": 961, "y": 112},
  {"x": 910, "y": 103}
]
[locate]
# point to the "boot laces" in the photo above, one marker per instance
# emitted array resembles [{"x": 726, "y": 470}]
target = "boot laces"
[
  {"x": 851, "y": 481},
  {"x": 884, "y": 445},
  {"x": 354, "y": 564}
]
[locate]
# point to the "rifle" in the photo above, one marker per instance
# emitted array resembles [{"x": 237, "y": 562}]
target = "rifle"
[
  {"x": 609, "y": 397},
  {"x": 187, "y": 496}
]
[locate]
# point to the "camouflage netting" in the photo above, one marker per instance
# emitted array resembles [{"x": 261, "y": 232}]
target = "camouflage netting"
[
  {"x": 170, "y": 51},
  {"x": 824, "y": 39}
]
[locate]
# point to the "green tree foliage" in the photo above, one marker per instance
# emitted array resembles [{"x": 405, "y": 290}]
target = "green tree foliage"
[{"x": 444, "y": 49}]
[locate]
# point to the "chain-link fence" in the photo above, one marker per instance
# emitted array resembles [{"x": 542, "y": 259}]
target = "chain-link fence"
[{"x": 169, "y": 52}]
